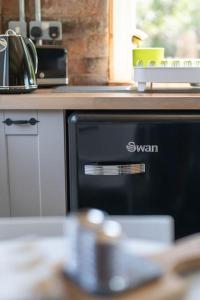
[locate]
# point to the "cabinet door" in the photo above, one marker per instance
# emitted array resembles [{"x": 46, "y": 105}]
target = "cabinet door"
[
  {"x": 35, "y": 164},
  {"x": 4, "y": 187},
  {"x": 52, "y": 165}
]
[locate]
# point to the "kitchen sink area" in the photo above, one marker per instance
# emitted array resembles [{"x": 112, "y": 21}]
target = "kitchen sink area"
[
  {"x": 95, "y": 89},
  {"x": 156, "y": 88}
]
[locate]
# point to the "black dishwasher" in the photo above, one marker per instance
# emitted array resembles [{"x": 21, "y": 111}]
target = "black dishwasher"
[{"x": 137, "y": 164}]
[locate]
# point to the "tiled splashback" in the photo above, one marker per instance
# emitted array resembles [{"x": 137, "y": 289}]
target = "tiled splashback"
[{"x": 85, "y": 33}]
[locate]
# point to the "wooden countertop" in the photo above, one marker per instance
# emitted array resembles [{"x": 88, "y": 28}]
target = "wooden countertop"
[{"x": 46, "y": 99}]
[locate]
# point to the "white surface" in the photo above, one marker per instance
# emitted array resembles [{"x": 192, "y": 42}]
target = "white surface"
[
  {"x": 155, "y": 228},
  {"x": 27, "y": 263},
  {"x": 193, "y": 292}
]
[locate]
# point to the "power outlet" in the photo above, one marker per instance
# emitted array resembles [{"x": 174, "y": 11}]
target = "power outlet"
[
  {"x": 45, "y": 30},
  {"x": 19, "y": 27}
]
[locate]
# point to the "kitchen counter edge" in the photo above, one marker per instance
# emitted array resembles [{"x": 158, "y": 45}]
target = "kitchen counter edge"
[{"x": 47, "y": 100}]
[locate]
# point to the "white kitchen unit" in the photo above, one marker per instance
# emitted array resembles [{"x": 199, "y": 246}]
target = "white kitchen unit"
[{"x": 32, "y": 164}]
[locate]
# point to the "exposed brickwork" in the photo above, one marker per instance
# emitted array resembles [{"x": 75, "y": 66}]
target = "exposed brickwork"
[{"x": 85, "y": 34}]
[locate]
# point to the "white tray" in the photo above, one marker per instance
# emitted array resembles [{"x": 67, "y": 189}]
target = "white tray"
[{"x": 142, "y": 75}]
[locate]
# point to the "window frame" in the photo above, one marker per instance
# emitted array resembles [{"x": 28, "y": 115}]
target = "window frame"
[{"x": 120, "y": 53}]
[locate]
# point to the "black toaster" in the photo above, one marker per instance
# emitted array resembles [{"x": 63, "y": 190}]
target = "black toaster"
[{"x": 52, "y": 66}]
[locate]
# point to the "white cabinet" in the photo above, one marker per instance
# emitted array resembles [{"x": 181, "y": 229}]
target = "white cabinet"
[{"x": 32, "y": 164}]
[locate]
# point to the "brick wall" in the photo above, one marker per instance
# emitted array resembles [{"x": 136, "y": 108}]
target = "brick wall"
[{"x": 85, "y": 33}]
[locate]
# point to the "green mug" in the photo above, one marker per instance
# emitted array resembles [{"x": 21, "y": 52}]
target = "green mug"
[{"x": 148, "y": 56}]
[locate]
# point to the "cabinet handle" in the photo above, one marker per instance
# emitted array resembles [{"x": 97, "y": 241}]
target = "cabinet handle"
[
  {"x": 10, "y": 122},
  {"x": 129, "y": 169}
]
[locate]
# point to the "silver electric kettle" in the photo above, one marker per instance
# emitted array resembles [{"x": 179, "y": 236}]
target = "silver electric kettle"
[{"x": 18, "y": 63}]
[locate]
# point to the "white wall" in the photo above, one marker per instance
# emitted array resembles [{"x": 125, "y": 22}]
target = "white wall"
[{"x": 124, "y": 20}]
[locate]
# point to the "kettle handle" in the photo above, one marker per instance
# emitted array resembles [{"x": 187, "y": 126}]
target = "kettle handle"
[{"x": 33, "y": 52}]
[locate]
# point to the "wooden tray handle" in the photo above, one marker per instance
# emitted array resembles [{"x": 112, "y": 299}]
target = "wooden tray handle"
[{"x": 184, "y": 256}]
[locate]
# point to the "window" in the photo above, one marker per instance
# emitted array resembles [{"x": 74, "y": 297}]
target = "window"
[{"x": 172, "y": 24}]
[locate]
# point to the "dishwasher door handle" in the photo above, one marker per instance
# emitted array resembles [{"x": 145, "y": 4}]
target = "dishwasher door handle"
[{"x": 128, "y": 169}]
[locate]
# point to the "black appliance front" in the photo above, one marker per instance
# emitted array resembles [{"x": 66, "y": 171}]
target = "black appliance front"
[
  {"x": 52, "y": 66},
  {"x": 130, "y": 164}
]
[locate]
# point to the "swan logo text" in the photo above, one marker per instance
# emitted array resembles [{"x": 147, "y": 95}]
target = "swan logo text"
[{"x": 133, "y": 147}]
